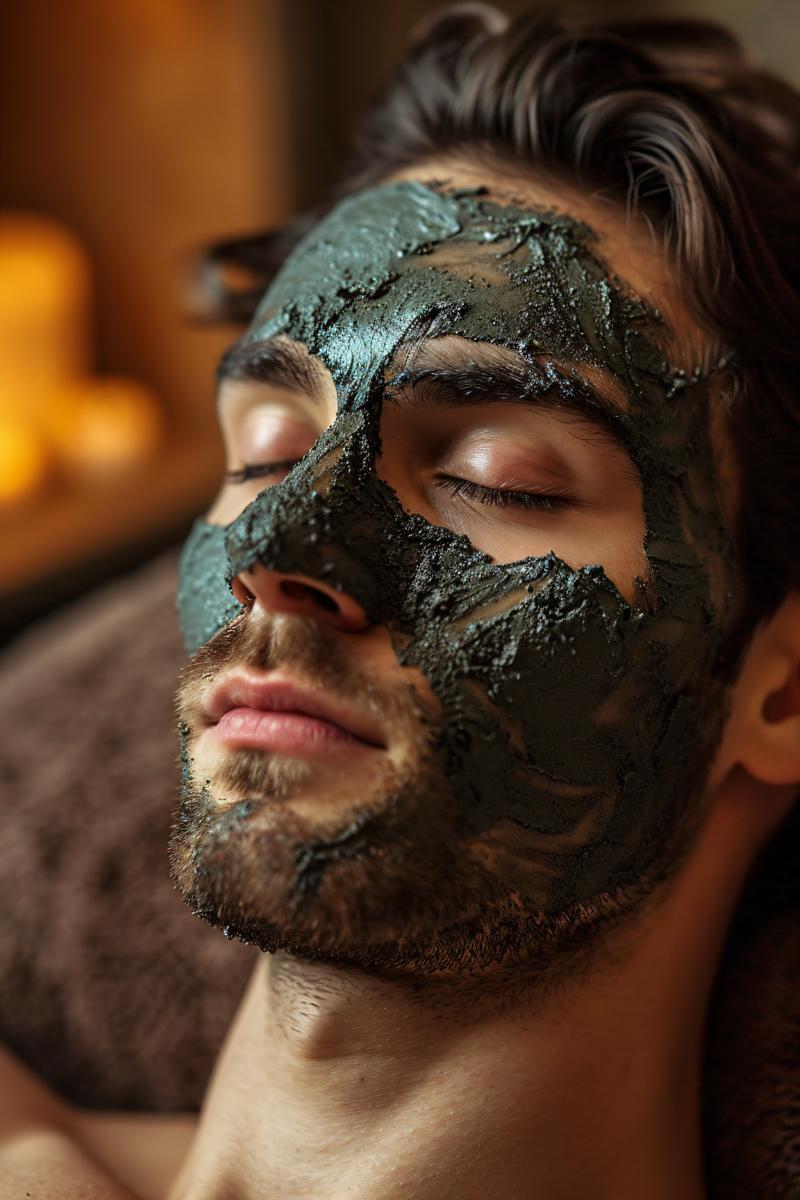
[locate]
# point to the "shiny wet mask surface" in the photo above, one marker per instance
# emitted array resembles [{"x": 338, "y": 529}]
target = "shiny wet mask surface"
[{"x": 576, "y": 725}]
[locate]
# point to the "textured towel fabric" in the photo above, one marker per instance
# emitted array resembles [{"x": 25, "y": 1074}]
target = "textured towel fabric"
[
  {"x": 119, "y": 998},
  {"x": 752, "y": 1079},
  {"x": 109, "y": 988}
]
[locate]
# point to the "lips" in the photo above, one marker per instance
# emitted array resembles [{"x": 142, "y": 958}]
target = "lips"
[{"x": 273, "y": 712}]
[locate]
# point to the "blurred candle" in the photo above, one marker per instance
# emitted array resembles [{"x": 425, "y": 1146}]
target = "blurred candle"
[
  {"x": 101, "y": 425},
  {"x": 23, "y": 462},
  {"x": 44, "y": 313}
]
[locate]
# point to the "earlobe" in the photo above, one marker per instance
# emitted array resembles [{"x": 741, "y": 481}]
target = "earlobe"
[{"x": 763, "y": 730}]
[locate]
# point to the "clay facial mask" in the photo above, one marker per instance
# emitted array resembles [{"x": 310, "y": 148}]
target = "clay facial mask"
[{"x": 576, "y": 726}]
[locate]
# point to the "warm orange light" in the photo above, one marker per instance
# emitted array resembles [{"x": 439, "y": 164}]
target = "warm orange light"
[
  {"x": 44, "y": 313},
  {"x": 23, "y": 461},
  {"x": 102, "y": 425}
]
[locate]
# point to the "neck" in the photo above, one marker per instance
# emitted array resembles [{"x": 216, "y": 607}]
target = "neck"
[{"x": 335, "y": 1084}]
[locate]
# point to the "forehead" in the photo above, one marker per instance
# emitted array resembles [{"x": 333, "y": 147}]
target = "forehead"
[
  {"x": 624, "y": 239},
  {"x": 407, "y": 261}
]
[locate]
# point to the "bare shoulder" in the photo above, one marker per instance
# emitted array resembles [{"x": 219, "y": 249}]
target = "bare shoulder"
[
  {"x": 51, "y": 1165},
  {"x": 144, "y": 1151},
  {"x": 52, "y": 1150}
]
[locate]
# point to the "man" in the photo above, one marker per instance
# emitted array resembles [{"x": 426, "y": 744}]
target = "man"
[{"x": 495, "y": 685}]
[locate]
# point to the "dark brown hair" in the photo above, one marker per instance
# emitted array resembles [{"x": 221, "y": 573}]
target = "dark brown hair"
[{"x": 671, "y": 119}]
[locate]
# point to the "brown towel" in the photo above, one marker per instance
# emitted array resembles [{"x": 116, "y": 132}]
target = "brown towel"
[
  {"x": 109, "y": 988},
  {"x": 752, "y": 1076}
]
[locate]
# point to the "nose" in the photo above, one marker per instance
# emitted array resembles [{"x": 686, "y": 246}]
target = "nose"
[{"x": 276, "y": 592}]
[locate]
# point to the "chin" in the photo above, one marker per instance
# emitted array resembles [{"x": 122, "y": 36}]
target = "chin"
[{"x": 386, "y": 887}]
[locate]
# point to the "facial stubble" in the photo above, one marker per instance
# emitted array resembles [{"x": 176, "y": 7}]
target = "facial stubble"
[{"x": 388, "y": 881}]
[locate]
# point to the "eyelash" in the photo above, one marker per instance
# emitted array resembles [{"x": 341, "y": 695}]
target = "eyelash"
[
  {"x": 259, "y": 470},
  {"x": 465, "y": 488},
  {"x": 503, "y": 497}
]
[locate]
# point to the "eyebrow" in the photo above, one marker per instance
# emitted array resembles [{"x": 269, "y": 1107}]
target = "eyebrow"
[
  {"x": 276, "y": 362},
  {"x": 444, "y": 372},
  {"x": 472, "y": 374}
]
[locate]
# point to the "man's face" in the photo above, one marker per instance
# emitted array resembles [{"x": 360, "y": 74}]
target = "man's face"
[{"x": 466, "y": 709}]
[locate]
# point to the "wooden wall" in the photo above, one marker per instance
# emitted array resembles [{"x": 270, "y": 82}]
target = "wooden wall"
[{"x": 150, "y": 127}]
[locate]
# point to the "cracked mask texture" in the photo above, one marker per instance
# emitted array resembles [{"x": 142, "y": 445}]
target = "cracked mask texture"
[{"x": 577, "y": 728}]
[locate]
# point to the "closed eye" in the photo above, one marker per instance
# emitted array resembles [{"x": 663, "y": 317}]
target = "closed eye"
[
  {"x": 259, "y": 470},
  {"x": 504, "y": 497}
]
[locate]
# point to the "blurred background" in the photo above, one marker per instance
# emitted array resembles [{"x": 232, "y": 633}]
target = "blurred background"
[{"x": 136, "y": 132}]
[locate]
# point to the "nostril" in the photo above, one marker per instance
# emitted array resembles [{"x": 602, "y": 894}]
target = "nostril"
[
  {"x": 241, "y": 592},
  {"x": 303, "y": 591}
]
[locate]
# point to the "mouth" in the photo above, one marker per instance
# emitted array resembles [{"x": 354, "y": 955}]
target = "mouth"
[{"x": 269, "y": 711}]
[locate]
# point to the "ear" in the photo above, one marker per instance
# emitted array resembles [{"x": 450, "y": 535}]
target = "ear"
[{"x": 763, "y": 730}]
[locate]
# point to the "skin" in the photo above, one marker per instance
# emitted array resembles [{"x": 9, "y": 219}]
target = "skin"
[
  {"x": 471, "y": 344},
  {"x": 334, "y": 1082}
]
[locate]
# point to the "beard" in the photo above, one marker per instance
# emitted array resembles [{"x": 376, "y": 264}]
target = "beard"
[{"x": 386, "y": 879}]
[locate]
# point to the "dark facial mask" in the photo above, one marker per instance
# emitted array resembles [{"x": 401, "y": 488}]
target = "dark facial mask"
[{"x": 573, "y": 721}]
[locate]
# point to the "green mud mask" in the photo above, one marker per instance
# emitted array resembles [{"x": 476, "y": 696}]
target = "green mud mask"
[{"x": 572, "y": 720}]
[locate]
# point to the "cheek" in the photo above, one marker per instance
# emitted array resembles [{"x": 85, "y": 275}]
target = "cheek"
[
  {"x": 205, "y": 602},
  {"x": 615, "y": 541}
]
